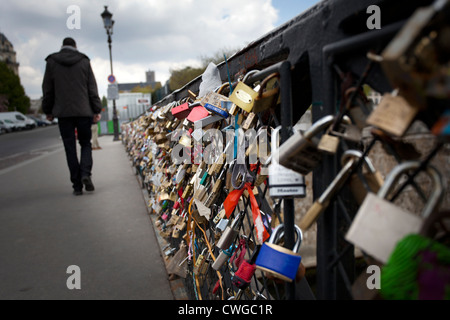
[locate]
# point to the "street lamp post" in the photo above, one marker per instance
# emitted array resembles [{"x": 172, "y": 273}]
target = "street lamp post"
[{"x": 109, "y": 23}]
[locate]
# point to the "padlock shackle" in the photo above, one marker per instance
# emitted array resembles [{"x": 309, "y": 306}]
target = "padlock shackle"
[
  {"x": 437, "y": 194},
  {"x": 318, "y": 126},
  {"x": 274, "y": 145},
  {"x": 278, "y": 233},
  {"x": 357, "y": 154},
  {"x": 266, "y": 81},
  {"x": 248, "y": 74}
]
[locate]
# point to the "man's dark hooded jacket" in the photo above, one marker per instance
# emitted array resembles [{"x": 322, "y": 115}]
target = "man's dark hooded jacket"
[{"x": 69, "y": 85}]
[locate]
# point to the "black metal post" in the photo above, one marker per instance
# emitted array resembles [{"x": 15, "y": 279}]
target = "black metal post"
[
  {"x": 115, "y": 118},
  {"x": 286, "y": 124}
]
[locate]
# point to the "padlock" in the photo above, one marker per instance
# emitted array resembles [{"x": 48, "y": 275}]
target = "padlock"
[
  {"x": 181, "y": 111},
  {"x": 372, "y": 179},
  {"x": 199, "y": 261},
  {"x": 213, "y": 102},
  {"x": 246, "y": 269},
  {"x": 216, "y": 189},
  {"x": 267, "y": 98},
  {"x": 347, "y": 131},
  {"x": 187, "y": 192},
  {"x": 197, "y": 113},
  {"x": 231, "y": 232},
  {"x": 204, "y": 266},
  {"x": 279, "y": 261},
  {"x": 321, "y": 204},
  {"x": 328, "y": 143},
  {"x": 160, "y": 138},
  {"x": 250, "y": 121},
  {"x": 393, "y": 115},
  {"x": 379, "y": 224},
  {"x": 244, "y": 96},
  {"x": 283, "y": 182},
  {"x": 223, "y": 257},
  {"x": 300, "y": 152}
]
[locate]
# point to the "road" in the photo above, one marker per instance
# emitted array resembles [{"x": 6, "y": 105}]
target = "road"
[{"x": 16, "y": 147}]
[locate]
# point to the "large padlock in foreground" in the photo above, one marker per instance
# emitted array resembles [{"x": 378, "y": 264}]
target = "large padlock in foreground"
[
  {"x": 379, "y": 224},
  {"x": 277, "y": 260}
]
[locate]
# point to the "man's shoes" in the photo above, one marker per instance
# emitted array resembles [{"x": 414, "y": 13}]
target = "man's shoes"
[
  {"x": 87, "y": 183},
  {"x": 77, "y": 192}
]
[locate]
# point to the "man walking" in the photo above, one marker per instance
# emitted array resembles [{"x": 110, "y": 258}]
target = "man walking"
[{"x": 70, "y": 94}]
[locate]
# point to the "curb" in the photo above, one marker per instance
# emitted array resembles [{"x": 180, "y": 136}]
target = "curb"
[{"x": 177, "y": 284}]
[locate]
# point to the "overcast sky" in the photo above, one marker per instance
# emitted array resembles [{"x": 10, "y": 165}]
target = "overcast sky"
[{"x": 148, "y": 34}]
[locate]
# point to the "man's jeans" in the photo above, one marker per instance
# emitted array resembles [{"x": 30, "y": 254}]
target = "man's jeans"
[{"x": 82, "y": 168}]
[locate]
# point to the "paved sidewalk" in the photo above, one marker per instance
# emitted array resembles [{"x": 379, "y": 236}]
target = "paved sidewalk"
[{"x": 44, "y": 229}]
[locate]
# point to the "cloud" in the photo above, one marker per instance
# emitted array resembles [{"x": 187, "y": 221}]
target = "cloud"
[{"x": 148, "y": 35}]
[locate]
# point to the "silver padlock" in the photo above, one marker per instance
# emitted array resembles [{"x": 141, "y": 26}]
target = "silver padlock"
[
  {"x": 380, "y": 224},
  {"x": 300, "y": 152},
  {"x": 277, "y": 260},
  {"x": 223, "y": 257},
  {"x": 283, "y": 182},
  {"x": 231, "y": 232}
]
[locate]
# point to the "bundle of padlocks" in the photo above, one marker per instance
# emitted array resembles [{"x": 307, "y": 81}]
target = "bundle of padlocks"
[{"x": 208, "y": 161}]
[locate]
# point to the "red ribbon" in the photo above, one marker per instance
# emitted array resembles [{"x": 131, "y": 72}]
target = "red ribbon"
[{"x": 230, "y": 204}]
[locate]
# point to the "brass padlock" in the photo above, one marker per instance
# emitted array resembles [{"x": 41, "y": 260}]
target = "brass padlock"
[
  {"x": 250, "y": 121},
  {"x": 216, "y": 189},
  {"x": 244, "y": 96},
  {"x": 393, "y": 115},
  {"x": 267, "y": 97}
]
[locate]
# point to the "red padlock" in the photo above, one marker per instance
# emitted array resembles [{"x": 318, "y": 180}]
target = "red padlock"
[{"x": 181, "y": 111}]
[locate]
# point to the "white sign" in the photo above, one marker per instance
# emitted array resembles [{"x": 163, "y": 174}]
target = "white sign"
[{"x": 113, "y": 91}]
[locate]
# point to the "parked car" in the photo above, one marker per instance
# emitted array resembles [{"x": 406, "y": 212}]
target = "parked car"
[
  {"x": 40, "y": 122},
  {"x": 20, "y": 118},
  {"x": 3, "y": 127},
  {"x": 18, "y": 125}
]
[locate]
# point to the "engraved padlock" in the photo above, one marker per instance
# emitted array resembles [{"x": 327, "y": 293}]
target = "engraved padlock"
[
  {"x": 231, "y": 232},
  {"x": 300, "y": 152},
  {"x": 277, "y": 260},
  {"x": 244, "y": 96},
  {"x": 380, "y": 224}
]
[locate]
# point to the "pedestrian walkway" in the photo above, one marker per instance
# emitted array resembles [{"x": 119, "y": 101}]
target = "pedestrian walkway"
[{"x": 44, "y": 229}]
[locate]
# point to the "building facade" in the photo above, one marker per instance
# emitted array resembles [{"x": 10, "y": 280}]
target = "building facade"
[{"x": 7, "y": 54}]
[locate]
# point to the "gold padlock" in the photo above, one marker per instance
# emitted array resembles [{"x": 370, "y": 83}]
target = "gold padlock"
[
  {"x": 393, "y": 115},
  {"x": 267, "y": 97},
  {"x": 244, "y": 97},
  {"x": 250, "y": 121}
]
